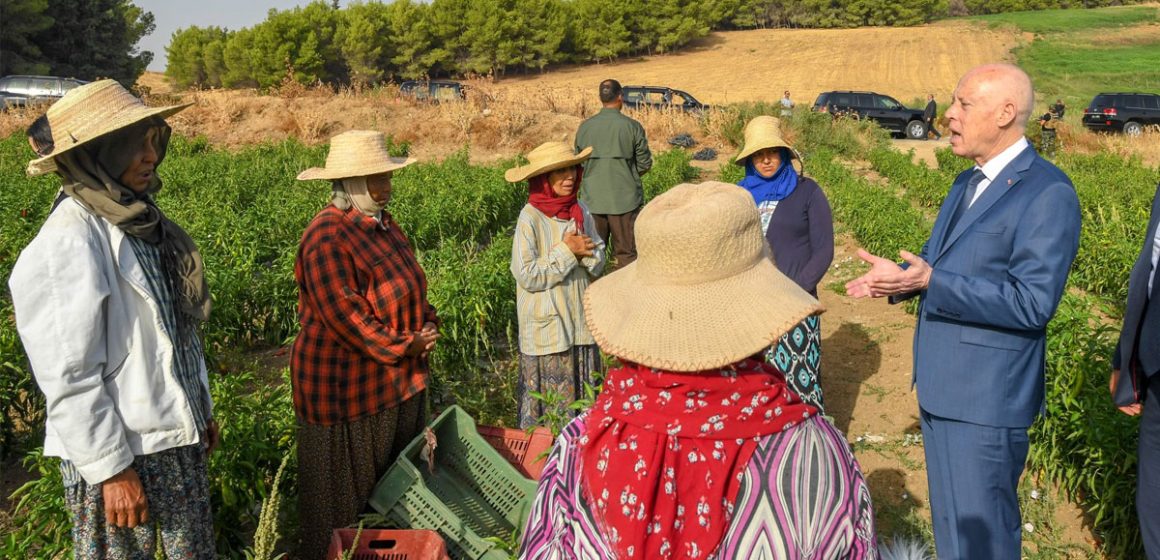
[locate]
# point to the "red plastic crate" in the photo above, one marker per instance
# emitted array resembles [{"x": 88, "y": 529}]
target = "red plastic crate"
[
  {"x": 388, "y": 544},
  {"x": 525, "y": 452}
]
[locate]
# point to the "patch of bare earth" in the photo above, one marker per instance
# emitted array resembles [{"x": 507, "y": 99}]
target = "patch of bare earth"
[{"x": 758, "y": 65}]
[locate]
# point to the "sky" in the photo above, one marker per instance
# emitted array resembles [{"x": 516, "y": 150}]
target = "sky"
[{"x": 171, "y": 15}]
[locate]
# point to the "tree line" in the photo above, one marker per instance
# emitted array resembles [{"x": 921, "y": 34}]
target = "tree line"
[
  {"x": 85, "y": 39},
  {"x": 373, "y": 42}
]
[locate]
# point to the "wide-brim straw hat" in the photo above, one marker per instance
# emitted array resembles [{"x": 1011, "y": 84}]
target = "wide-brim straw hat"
[
  {"x": 90, "y": 111},
  {"x": 356, "y": 153},
  {"x": 703, "y": 292},
  {"x": 546, "y": 157},
  {"x": 764, "y": 132}
]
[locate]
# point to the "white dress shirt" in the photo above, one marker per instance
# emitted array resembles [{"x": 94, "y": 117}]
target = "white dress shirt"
[
  {"x": 992, "y": 168},
  {"x": 1155, "y": 257}
]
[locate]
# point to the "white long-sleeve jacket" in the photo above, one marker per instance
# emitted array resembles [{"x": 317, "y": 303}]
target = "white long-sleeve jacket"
[{"x": 93, "y": 333}]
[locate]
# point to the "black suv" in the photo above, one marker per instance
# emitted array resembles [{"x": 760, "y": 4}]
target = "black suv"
[
  {"x": 660, "y": 97},
  {"x": 21, "y": 90},
  {"x": 435, "y": 91},
  {"x": 1126, "y": 112},
  {"x": 882, "y": 109}
]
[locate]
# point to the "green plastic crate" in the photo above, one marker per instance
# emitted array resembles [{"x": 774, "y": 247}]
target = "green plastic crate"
[{"x": 473, "y": 494}]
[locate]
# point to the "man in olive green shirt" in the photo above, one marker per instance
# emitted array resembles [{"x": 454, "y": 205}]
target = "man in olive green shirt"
[{"x": 611, "y": 186}]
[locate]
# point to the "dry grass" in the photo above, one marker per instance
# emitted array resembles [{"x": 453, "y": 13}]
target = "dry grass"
[{"x": 758, "y": 65}]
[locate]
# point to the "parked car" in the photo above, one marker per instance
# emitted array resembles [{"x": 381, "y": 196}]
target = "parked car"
[
  {"x": 435, "y": 91},
  {"x": 21, "y": 90},
  {"x": 1123, "y": 112},
  {"x": 882, "y": 109},
  {"x": 660, "y": 97}
]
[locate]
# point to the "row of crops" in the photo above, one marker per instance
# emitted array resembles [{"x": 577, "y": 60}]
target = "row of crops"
[{"x": 246, "y": 212}]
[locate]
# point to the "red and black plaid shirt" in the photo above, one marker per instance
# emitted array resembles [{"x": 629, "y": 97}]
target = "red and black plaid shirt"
[{"x": 361, "y": 293}]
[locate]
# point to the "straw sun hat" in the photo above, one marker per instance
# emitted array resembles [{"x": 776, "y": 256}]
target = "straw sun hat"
[
  {"x": 546, "y": 157},
  {"x": 89, "y": 112},
  {"x": 764, "y": 132},
  {"x": 703, "y": 292},
  {"x": 356, "y": 153}
]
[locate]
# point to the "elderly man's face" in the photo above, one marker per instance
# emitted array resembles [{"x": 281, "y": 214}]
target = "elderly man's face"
[{"x": 974, "y": 118}]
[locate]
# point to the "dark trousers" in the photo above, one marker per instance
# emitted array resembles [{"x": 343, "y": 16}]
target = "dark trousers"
[
  {"x": 1148, "y": 471},
  {"x": 973, "y": 472},
  {"x": 623, "y": 241},
  {"x": 930, "y": 128}
]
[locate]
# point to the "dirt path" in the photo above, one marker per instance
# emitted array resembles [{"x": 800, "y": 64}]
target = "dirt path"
[{"x": 866, "y": 371}]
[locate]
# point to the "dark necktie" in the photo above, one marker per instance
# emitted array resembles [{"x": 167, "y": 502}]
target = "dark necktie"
[
  {"x": 1148, "y": 348},
  {"x": 968, "y": 196}
]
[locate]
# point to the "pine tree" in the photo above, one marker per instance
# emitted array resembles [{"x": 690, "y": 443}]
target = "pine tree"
[{"x": 19, "y": 53}]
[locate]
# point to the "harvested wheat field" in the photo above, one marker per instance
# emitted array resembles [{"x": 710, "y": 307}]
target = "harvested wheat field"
[{"x": 759, "y": 65}]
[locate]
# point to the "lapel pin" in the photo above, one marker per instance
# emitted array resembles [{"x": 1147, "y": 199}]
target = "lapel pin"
[{"x": 1009, "y": 181}]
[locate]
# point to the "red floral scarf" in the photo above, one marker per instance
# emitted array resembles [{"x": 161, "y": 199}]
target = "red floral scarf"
[
  {"x": 664, "y": 452},
  {"x": 543, "y": 198}
]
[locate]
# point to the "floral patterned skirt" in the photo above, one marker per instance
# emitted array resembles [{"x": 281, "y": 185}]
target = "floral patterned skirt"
[
  {"x": 798, "y": 354},
  {"x": 176, "y": 484},
  {"x": 563, "y": 373}
]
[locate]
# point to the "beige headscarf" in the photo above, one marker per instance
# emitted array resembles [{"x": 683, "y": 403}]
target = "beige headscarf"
[
  {"x": 354, "y": 191},
  {"x": 91, "y": 177}
]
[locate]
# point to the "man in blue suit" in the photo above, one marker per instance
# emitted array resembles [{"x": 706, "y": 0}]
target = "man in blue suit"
[
  {"x": 1134, "y": 368},
  {"x": 990, "y": 278}
]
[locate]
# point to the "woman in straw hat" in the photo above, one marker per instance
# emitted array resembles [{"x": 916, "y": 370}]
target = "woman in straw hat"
[
  {"x": 556, "y": 254},
  {"x": 797, "y": 222},
  {"x": 359, "y": 365},
  {"x": 109, "y": 297},
  {"x": 685, "y": 453}
]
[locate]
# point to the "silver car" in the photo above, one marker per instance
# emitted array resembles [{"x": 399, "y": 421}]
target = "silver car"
[{"x": 20, "y": 90}]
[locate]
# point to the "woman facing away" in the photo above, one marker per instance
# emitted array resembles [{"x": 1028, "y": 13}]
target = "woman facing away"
[{"x": 696, "y": 447}]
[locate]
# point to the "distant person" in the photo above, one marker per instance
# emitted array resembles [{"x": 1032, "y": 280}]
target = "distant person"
[
  {"x": 360, "y": 364},
  {"x": 1134, "y": 385},
  {"x": 695, "y": 448},
  {"x": 930, "y": 114},
  {"x": 556, "y": 254},
  {"x": 1058, "y": 109},
  {"x": 989, "y": 279},
  {"x": 612, "y": 189},
  {"x": 797, "y": 222},
  {"x": 1047, "y": 133},
  {"x": 786, "y": 105},
  {"x": 109, "y": 300}
]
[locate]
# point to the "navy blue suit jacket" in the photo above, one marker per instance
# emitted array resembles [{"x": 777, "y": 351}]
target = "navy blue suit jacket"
[
  {"x": 979, "y": 346},
  {"x": 1129, "y": 390}
]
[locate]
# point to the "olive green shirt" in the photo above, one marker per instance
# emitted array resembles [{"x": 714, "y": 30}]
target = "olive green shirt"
[{"x": 620, "y": 155}]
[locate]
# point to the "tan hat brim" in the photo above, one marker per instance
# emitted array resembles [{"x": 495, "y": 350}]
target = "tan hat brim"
[
  {"x": 375, "y": 168},
  {"x": 748, "y": 150},
  {"x": 122, "y": 120},
  {"x": 694, "y": 327},
  {"x": 517, "y": 174}
]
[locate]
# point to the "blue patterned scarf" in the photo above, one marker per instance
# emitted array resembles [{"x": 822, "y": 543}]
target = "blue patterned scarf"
[{"x": 783, "y": 182}]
